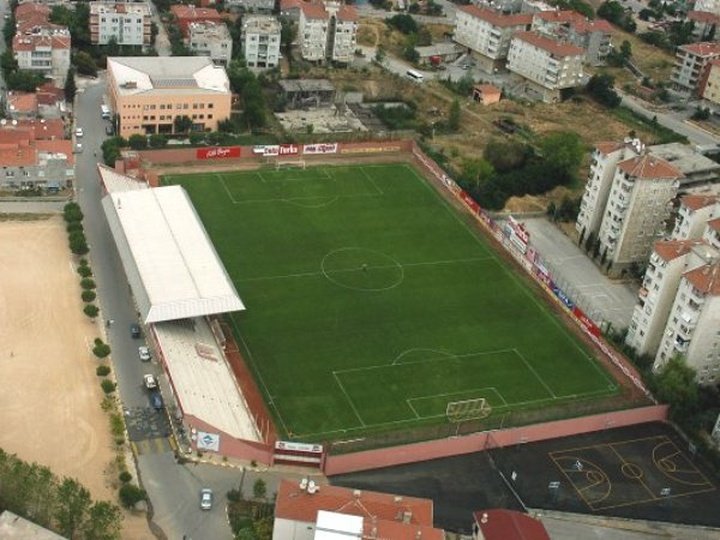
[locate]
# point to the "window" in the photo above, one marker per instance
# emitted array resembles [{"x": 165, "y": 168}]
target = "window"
[{"x": 210, "y": 105}]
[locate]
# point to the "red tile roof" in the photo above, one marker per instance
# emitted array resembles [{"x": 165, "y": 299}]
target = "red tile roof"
[
  {"x": 509, "y": 525},
  {"x": 487, "y": 89},
  {"x": 703, "y": 17},
  {"x": 598, "y": 25},
  {"x": 702, "y": 49},
  {"x": 347, "y": 13},
  {"x": 57, "y": 147},
  {"x": 51, "y": 128},
  {"x": 299, "y": 505},
  {"x": 607, "y": 147},
  {"x": 29, "y": 42},
  {"x": 286, "y": 5},
  {"x": 649, "y": 167},
  {"x": 49, "y": 94},
  {"x": 22, "y": 102},
  {"x": 706, "y": 278},
  {"x": 669, "y": 250},
  {"x": 561, "y": 16},
  {"x": 182, "y": 11},
  {"x": 496, "y": 18},
  {"x": 29, "y": 9},
  {"x": 400, "y": 531},
  {"x": 554, "y": 47},
  {"x": 714, "y": 224},
  {"x": 695, "y": 202},
  {"x": 314, "y": 11}
]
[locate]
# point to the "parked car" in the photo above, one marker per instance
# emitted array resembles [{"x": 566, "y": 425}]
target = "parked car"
[
  {"x": 135, "y": 331},
  {"x": 79, "y": 132},
  {"x": 78, "y": 148},
  {"x": 206, "y": 499},
  {"x": 109, "y": 131},
  {"x": 144, "y": 353},
  {"x": 156, "y": 400},
  {"x": 150, "y": 381}
]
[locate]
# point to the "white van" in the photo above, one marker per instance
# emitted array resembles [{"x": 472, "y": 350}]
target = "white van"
[{"x": 105, "y": 111}]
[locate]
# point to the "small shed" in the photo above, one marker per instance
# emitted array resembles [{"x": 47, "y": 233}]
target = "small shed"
[
  {"x": 487, "y": 94},
  {"x": 304, "y": 93}
]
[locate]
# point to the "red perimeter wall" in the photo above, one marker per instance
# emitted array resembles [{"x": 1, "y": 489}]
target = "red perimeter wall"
[{"x": 477, "y": 442}]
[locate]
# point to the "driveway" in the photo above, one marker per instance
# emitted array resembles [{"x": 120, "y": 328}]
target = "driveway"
[{"x": 601, "y": 298}]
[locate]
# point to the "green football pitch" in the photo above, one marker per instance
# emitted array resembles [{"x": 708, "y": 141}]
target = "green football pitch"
[{"x": 371, "y": 305}]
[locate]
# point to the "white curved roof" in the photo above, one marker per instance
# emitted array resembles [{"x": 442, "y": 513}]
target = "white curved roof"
[{"x": 170, "y": 263}]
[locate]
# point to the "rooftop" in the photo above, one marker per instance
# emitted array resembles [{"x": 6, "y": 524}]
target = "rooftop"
[
  {"x": 696, "y": 202},
  {"x": 650, "y": 167},
  {"x": 173, "y": 263},
  {"x": 13, "y": 527},
  {"x": 182, "y": 11},
  {"x": 552, "y": 46},
  {"x": 608, "y": 147},
  {"x": 702, "y": 49},
  {"x": 703, "y": 17},
  {"x": 487, "y": 88},
  {"x": 208, "y": 29},
  {"x": 101, "y": 7},
  {"x": 306, "y": 85},
  {"x": 499, "y": 524},
  {"x": 265, "y": 24},
  {"x": 441, "y": 48},
  {"x": 22, "y": 102},
  {"x": 497, "y": 18},
  {"x": 669, "y": 250},
  {"x": 684, "y": 158},
  {"x": 155, "y": 74},
  {"x": 706, "y": 278}
]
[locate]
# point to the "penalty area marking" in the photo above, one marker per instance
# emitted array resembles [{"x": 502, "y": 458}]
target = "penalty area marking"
[{"x": 350, "y": 401}]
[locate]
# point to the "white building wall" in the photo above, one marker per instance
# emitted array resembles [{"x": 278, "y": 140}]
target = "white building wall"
[
  {"x": 704, "y": 351},
  {"x": 597, "y": 189},
  {"x": 345, "y": 41},
  {"x": 287, "y": 529},
  {"x": 60, "y": 64},
  {"x": 261, "y": 48},
  {"x": 711, "y": 6},
  {"x": 656, "y": 298},
  {"x": 126, "y": 28},
  {"x": 542, "y": 68},
  {"x": 712, "y": 237},
  {"x": 312, "y": 34},
  {"x": 690, "y": 224}
]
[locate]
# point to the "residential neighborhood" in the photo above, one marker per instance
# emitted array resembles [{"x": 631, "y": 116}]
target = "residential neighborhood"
[{"x": 386, "y": 270}]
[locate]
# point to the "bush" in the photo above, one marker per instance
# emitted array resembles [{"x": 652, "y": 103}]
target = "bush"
[
  {"x": 108, "y": 386},
  {"x": 101, "y": 350},
  {"x": 130, "y": 495},
  {"x": 84, "y": 271},
  {"x": 138, "y": 142},
  {"x": 79, "y": 246},
  {"x": 91, "y": 310},
  {"x": 72, "y": 212},
  {"x": 88, "y": 296},
  {"x": 125, "y": 477},
  {"x": 102, "y": 371},
  {"x": 117, "y": 425},
  {"x": 234, "y": 495},
  {"x": 87, "y": 283},
  {"x": 74, "y": 226}
]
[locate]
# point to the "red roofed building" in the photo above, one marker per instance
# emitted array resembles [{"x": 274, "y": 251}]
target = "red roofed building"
[
  {"x": 186, "y": 14},
  {"x": 692, "y": 64},
  {"x": 30, "y": 162},
  {"x": 299, "y": 505},
  {"x": 502, "y": 524},
  {"x": 327, "y": 32},
  {"x": 21, "y": 104},
  {"x": 39, "y": 45},
  {"x": 487, "y": 34},
  {"x": 593, "y": 36},
  {"x": 693, "y": 215},
  {"x": 547, "y": 65}
]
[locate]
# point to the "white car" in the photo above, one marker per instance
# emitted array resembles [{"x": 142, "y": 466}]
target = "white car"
[
  {"x": 79, "y": 132},
  {"x": 78, "y": 148},
  {"x": 150, "y": 381},
  {"x": 144, "y": 353},
  {"x": 206, "y": 499}
]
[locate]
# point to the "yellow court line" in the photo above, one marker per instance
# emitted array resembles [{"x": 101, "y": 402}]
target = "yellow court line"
[
  {"x": 654, "y": 499},
  {"x": 578, "y": 490},
  {"x": 639, "y": 478},
  {"x": 697, "y": 471},
  {"x": 599, "y": 445}
]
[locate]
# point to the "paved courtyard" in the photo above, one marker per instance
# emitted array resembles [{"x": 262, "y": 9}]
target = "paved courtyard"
[{"x": 601, "y": 298}]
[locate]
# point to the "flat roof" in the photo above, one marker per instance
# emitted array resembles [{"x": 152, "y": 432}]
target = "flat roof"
[
  {"x": 169, "y": 260},
  {"x": 203, "y": 381},
  {"x": 14, "y": 526},
  {"x": 306, "y": 85}
]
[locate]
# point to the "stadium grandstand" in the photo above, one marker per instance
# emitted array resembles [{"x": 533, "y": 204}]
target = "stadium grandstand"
[{"x": 179, "y": 286}]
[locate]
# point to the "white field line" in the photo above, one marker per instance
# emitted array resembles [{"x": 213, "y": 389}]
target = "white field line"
[
  {"x": 350, "y": 401},
  {"x": 537, "y": 375},
  {"x": 471, "y": 390}
]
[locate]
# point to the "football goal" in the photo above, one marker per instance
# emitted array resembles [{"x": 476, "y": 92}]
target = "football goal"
[
  {"x": 289, "y": 164},
  {"x": 468, "y": 409}
]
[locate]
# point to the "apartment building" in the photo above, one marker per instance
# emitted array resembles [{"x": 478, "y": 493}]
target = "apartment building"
[
  {"x": 704, "y": 25},
  {"x": 594, "y": 36},
  {"x": 547, "y": 65},
  {"x": 692, "y": 64},
  {"x": 328, "y": 32},
  {"x": 32, "y": 159},
  {"x": 252, "y": 6},
  {"x": 187, "y": 14},
  {"x": 39, "y": 45},
  {"x": 211, "y": 39},
  {"x": 710, "y": 91},
  {"x": 148, "y": 93},
  {"x": 260, "y": 38},
  {"x": 487, "y": 33},
  {"x": 710, "y": 6},
  {"x": 128, "y": 23},
  {"x": 693, "y": 214},
  {"x": 638, "y": 206}
]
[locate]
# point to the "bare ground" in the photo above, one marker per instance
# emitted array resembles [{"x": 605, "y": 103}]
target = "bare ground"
[{"x": 49, "y": 393}]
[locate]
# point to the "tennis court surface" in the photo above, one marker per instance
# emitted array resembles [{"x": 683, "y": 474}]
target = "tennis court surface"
[{"x": 372, "y": 306}]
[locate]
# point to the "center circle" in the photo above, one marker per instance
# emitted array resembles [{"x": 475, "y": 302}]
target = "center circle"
[
  {"x": 362, "y": 269},
  {"x": 631, "y": 470}
]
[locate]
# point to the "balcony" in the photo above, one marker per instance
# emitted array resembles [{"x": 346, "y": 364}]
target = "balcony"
[{"x": 681, "y": 346}]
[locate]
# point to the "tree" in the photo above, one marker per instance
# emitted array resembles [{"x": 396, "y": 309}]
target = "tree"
[
  {"x": 72, "y": 212},
  {"x": 70, "y": 88},
  {"x": 454, "y": 116},
  {"x": 91, "y": 310},
  {"x": 104, "y": 522},
  {"x": 410, "y": 54},
  {"x": 130, "y": 495},
  {"x": 675, "y": 385},
  {"x": 601, "y": 88},
  {"x": 108, "y": 386},
  {"x": 259, "y": 489},
  {"x": 476, "y": 171},
  {"x": 88, "y": 296},
  {"x": 137, "y": 141},
  {"x": 551, "y": 211},
  {"x": 85, "y": 64},
  {"x": 158, "y": 140},
  {"x": 101, "y": 350},
  {"x": 78, "y": 244},
  {"x": 288, "y": 31},
  {"x": 380, "y": 54},
  {"x": 403, "y": 23},
  {"x": 506, "y": 155},
  {"x": 72, "y": 507},
  {"x": 182, "y": 123},
  {"x": 24, "y": 80},
  {"x": 564, "y": 151}
]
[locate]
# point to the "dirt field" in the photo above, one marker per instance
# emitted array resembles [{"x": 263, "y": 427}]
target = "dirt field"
[{"x": 49, "y": 393}]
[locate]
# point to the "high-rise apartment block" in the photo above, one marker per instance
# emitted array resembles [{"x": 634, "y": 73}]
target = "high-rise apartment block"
[
  {"x": 327, "y": 32},
  {"x": 128, "y": 23}
]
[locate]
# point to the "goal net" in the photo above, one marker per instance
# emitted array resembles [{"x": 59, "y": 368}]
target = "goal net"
[
  {"x": 468, "y": 409},
  {"x": 290, "y": 164}
]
